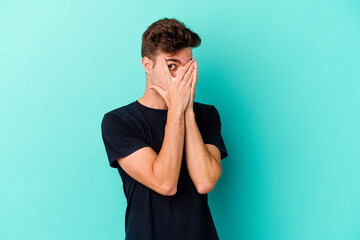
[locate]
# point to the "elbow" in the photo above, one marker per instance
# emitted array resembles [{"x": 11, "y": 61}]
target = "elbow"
[
  {"x": 205, "y": 188},
  {"x": 169, "y": 190}
]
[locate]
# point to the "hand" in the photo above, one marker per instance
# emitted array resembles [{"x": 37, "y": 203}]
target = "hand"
[
  {"x": 194, "y": 79},
  {"x": 177, "y": 94}
]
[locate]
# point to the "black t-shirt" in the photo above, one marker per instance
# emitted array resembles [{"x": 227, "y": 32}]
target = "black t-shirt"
[{"x": 150, "y": 215}]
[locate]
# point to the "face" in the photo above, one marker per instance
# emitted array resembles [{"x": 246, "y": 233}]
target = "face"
[{"x": 174, "y": 63}]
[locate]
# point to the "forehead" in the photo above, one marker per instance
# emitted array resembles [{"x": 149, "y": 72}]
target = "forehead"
[{"x": 182, "y": 57}]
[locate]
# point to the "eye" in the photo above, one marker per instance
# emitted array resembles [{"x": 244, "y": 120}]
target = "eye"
[{"x": 172, "y": 65}]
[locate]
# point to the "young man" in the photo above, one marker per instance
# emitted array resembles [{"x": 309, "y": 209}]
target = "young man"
[{"x": 166, "y": 147}]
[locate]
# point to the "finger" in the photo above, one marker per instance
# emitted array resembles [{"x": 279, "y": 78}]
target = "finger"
[
  {"x": 196, "y": 72},
  {"x": 195, "y": 81},
  {"x": 188, "y": 74},
  {"x": 194, "y": 77},
  {"x": 184, "y": 70},
  {"x": 190, "y": 80},
  {"x": 166, "y": 70},
  {"x": 158, "y": 90}
]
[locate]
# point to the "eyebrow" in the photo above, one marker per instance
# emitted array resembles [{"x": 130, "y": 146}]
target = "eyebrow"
[{"x": 176, "y": 60}]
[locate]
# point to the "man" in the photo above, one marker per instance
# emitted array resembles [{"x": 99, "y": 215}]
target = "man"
[{"x": 166, "y": 147}]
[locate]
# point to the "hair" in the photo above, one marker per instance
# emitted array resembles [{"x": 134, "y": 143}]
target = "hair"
[{"x": 169, "y": 36}]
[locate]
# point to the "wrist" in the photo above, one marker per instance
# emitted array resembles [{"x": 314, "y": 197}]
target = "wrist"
[
  {"x": 189, "y": 111},
  {"x": 175, "y": 111}
]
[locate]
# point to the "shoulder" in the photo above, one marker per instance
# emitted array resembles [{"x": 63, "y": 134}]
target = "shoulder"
[
  {"x": 208, "y": 113},
  {"x": 121, "y": 114},
  {"x": 204, "y": 108},
  {"x": 122, "y": 110}
]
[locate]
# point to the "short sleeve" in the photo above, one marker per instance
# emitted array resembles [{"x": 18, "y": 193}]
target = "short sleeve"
[
  {"x": 119, "y": 138},
  {"x": 212, "y": 131}
]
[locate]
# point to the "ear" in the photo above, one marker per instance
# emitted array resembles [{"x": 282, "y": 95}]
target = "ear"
[{"x": 147, "y": 64}]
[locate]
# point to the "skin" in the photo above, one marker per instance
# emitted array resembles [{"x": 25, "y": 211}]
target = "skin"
[
  {"x": 160, "y": 172},
  {"x": 203, "y": 160}
]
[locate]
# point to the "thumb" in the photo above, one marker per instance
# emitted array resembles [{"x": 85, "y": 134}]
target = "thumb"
[{"x": 157, "y": 89}]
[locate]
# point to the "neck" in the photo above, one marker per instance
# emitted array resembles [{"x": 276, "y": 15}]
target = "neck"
[{"x": 151, "y": 98}]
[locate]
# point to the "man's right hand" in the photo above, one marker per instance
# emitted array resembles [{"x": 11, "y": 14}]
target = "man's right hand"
[{"x": 177, "y": 94}]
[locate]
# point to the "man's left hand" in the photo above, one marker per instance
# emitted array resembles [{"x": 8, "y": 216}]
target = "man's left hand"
[{"x": 190, "y": 106}]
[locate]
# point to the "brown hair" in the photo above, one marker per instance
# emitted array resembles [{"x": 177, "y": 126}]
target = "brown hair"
[{"x": 169, "y": 36}]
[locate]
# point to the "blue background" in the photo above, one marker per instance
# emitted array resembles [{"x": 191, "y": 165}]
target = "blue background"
[{"x": 284, "y": 76}]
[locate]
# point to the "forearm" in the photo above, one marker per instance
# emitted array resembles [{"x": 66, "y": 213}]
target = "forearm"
[
  {"x": 203, "y": 168},
  {"x": 167, "y": 165}
]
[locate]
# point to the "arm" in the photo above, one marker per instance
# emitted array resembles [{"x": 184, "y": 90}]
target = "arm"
[
  {"x": 160, "y": 172},
  {"x": 166, "y": 166},
  {"x": 204, "y": 169},
  {"x": 203, "y": 160}
]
